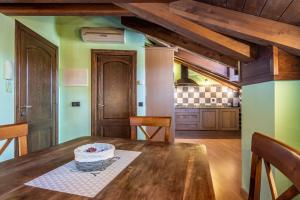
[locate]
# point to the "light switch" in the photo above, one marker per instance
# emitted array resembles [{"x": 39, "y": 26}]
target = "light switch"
[
  {"x": 140, "y": 82},
  {"x": 75, "y": 104}
]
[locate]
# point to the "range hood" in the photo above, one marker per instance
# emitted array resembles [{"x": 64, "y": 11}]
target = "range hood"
[{"x": 184, "y": 80}]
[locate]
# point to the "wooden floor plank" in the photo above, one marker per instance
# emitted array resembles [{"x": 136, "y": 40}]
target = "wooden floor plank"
[{"x": 224, "y": 155}]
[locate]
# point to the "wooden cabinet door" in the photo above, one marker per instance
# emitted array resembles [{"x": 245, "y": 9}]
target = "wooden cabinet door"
[
  {"x": 229, "y": 119},
  {"x": 187, "y": 119},
  {"x": 209, "y": 119}
]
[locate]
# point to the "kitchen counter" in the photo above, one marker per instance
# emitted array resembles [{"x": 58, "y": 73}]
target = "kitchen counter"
[{"x": 199, "y": 117}]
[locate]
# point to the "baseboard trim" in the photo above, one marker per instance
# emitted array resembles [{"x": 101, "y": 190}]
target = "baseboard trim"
[{"x": 243, "y": 193}]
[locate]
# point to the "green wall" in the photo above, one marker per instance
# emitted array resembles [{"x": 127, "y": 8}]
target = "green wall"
[
  {"x": 271, "y": 108},
  {"x": 76, "y": 121},
  {"x": 73, "y": 53},
  {"x": 6, "y": 98},
  {"x": 45, "y": 26},
  {"x": 257, "y": 115},
  {"x": 287, "y": 127}
]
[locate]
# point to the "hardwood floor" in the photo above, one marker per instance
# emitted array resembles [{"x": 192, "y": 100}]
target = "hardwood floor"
[{"x": 224, "y": 154}]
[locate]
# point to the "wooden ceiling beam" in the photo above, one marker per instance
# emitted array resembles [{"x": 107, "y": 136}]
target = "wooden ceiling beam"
[
  {"x": 203, "y": 62},
  {"x": 209, "y": 74},
  {"x": 85, "y": 1},
  {"x": 63, "y": 10},
  {"x": 173, "y": 38},
  {"x": 159, "y": 13},
  {"x": 240, "y": 25}
]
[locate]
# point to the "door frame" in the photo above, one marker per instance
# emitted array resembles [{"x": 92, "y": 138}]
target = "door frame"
[
  {"x": 94, "y": 82},
  {"x": 18, "y": 28}
]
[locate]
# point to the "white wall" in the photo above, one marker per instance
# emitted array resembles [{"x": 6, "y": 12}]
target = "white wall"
[{"x": 160, "y": 84}]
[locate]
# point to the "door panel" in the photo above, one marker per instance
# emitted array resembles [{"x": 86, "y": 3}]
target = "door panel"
[
  {"x": 113, "y": 92},
  {"x": 209, "y": 119},
  {"x": 36, "y": 87},
  {"x": 116, "y": 85},
  {"x": 229, "y": 119},
  {"x": 116, "y": 131}
]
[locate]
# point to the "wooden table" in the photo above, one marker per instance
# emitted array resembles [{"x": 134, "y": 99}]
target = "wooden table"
[{"x": 178, "y": 171}]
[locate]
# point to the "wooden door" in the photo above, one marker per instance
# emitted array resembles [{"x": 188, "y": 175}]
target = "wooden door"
[
  {"x": 209, "y": 119},
  {"x": 36, "y": 63},
  {"x": 113, "y": 92}
]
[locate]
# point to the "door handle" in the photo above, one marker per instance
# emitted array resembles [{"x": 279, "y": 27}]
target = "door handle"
[
  {"x": 27, "y": 106},
  {"x": 23, "y": 112},
  {"x": 100, "y": 105}
]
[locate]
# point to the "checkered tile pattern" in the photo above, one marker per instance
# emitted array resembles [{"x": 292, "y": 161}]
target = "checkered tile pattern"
[{"x": 212, "y": 95}]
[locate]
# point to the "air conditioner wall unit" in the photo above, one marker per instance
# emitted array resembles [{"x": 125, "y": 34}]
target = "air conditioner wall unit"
[{"x": 105, "y": 35}]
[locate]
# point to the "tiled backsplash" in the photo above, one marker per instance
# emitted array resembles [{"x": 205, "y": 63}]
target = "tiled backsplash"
[{"x": 207, "y": 95}]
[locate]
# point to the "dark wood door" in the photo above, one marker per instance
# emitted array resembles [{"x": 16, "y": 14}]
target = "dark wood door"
[
  {"x": 113, "y": 92},
  {"x": 36, "y": 87}
]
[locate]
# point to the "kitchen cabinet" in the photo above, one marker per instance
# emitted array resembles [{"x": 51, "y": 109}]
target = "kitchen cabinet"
[
  {"x": 209, "y": 119},
  {"x": 219, "y": 119},
  {"x": 187, "y": 119},
  {"x": 228, "y": 119}
]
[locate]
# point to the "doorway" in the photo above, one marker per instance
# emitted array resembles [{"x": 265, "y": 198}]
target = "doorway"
[
  {"x": 36, "y": 87},
  {"x": 113, "y": 92}
]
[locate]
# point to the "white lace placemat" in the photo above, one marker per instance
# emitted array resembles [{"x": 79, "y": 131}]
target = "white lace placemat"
[{"x": 68, "y": 179}]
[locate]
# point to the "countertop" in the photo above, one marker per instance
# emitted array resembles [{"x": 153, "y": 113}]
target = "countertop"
[{"x": 204, "y": 107}]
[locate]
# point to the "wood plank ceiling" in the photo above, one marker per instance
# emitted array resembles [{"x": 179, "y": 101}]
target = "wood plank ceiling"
[
  {"x": 62, "y": 9},
  {"x": 212, "y": 32},
  {"x": 240, "y": 25},
  {"x": 286, "y": 11},
  {"x": 160, "y": 14},
  {"x": 175, "y": 39}
]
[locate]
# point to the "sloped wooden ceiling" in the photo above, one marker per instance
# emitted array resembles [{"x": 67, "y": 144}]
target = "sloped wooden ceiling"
[
  {"x": 280, "y": 10},
  {"x": 85, "y": 1},
  {"x": 176, "y": 39},
  {"x": 62, "y": 9},
  {"x": 160, "y": 14},
  {"x": 226, "y": 31},
  {"x": 240, "y": 25}
]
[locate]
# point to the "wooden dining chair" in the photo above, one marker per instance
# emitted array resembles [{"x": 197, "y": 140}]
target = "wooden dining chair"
[
  {"x": 14, "y": 131},
  {"x": 159, "y": 122},
  {"x": 283, "y": 157}
]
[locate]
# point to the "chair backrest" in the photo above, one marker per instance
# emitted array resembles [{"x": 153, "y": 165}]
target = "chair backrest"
[
  {"x": 159, "y": 122},
  {"x": 283, "y": 157},
  {"x": 12, "y": 131}
]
